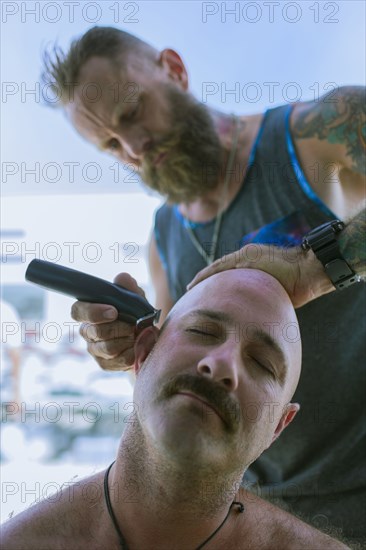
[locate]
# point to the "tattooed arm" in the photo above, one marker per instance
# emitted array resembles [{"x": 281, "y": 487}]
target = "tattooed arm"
[{"x": 330, "y": 140}]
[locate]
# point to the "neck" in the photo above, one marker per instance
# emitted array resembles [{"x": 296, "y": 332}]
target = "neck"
[{"x": 167, "y": 502}]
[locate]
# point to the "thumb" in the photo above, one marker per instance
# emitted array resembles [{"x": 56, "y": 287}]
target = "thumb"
[{"x": 127, "y": 281}]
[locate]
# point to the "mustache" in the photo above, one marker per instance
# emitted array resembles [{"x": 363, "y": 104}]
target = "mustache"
[
  {"x": 165, "y": 145},
  {"x": 211, "y": 392}
]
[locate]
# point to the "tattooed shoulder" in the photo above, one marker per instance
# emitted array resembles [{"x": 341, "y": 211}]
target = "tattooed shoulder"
[{"x": 338, "y": 117}]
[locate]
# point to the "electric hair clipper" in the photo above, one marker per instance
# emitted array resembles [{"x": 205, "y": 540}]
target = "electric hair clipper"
[{"x": 132, "y": 308}]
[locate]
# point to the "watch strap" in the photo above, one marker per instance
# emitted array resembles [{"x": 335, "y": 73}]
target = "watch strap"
[{"x": 323, "y": 242}]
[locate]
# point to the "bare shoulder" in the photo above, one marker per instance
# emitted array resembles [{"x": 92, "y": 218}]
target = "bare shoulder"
[
  {"x": 61, "y": 521},
  {"x": 340, "y": 104},
  {"x": 336, "y": 123},
  {"x": 279, "y": 529}
]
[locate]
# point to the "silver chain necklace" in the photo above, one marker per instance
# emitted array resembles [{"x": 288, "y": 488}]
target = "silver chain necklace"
[{"x": 209, "y": 258}]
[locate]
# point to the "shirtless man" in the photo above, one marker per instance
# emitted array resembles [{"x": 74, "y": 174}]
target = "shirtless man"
[{"x": 213, "y": 390}]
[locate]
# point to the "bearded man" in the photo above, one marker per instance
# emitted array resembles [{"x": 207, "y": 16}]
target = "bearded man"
[{"x": 244, "y": 191}]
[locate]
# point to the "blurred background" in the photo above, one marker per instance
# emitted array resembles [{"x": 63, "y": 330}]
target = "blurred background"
[{"x": 64, "y": 201}]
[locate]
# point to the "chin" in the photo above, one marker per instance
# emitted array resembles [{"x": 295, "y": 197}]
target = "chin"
[{"x": 186, "y": 441}]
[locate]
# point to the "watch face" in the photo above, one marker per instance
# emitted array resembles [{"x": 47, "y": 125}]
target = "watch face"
[
  {"x": 324, "y": 244},
  {"x": 322, "y": 240}
]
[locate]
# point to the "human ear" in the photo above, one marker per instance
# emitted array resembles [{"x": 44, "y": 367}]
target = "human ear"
[
  {"x": 287, "y": 416},
  {"x": 174, "y": 67},
  {"x": 144, "y": 344}
]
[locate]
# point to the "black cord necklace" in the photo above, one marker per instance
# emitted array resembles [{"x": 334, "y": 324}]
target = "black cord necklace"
[{"x": 122, "y": 539}]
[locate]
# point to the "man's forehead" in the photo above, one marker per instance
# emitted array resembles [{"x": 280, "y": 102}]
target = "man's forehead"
[
  {"x": 125, "y": 68},
  {"x": 100, "y": 95},
  {"x": 86, "y": 119},
  {"x": 99, "y": 69},
  {"x": 103, "y": 83}
]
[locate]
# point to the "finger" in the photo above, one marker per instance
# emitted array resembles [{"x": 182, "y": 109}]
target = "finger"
[
  {"x": 93, "y": 313},
  {"x": 222, "y": 264},
  {"x": 107, "y": 331},
  {"x": 125, "y": 280},
  {"x": 116, "y": 350}
]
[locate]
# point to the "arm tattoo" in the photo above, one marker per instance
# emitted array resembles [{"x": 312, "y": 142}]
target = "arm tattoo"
[
  {"x": 352, "y": 243},
  {"x": 338, "y": 119}
]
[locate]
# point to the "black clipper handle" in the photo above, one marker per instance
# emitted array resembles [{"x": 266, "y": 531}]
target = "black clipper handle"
[{"x": 132, "y": 308}]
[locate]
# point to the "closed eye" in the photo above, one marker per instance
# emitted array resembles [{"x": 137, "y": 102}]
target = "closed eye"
[
  {"x": 263, "y": 366},
  {"x": 201, "y": 332},
  {"x": 198, "y": 331}
]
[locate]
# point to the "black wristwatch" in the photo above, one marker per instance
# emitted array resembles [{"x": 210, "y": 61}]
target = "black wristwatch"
[{"x": 322, "y": 241}]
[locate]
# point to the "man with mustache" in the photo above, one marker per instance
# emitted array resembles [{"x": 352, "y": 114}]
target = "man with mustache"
[
  {"x": 213, "y": 390},
  {"x": 237, "y": 186}
]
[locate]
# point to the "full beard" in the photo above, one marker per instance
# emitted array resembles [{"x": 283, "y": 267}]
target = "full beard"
[{"x": 191, "y": 167}]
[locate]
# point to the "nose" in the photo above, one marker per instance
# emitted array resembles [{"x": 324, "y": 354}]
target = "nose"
[
  {"x": 221, "y": 365},
  {"x": 135, "y": 142}
]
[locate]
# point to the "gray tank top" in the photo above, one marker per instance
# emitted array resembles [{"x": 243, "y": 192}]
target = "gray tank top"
[{"x": 322, "y": 453}]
